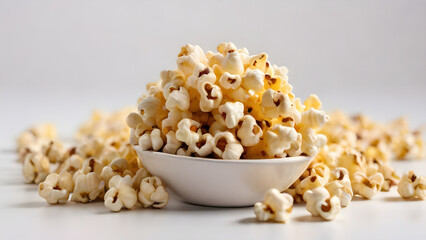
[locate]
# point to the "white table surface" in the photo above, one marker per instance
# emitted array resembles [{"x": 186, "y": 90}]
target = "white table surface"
[{"x": 24, "y": 215}]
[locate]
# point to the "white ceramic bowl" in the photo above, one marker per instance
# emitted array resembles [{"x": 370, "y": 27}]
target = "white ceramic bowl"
[{"x": 222, "y": 183}]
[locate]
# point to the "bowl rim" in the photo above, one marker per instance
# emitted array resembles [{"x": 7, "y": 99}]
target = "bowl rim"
[{"x": 225, "y": 161}]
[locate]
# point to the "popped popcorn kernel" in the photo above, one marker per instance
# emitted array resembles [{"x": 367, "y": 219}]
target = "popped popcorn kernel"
[{"x": 276, "y": 207}]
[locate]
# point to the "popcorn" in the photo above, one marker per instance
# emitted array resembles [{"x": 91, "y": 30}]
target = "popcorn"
[
  {"x": 52, "y": 189},
  {"x": 178, "y": 99},
  {"x": 36, "y": 167},
  {"x": 54, "y": 151},
  {"x": 230, "y": 81},
  {"x": 204, "y": 145},
  {"x": 151, "y": 140},
  {"x": 139, "y": 176},
  {"x": 340, "y": 186},
  {"x": 390, "y": 177},
  {"x": 188, "y": 131},
  {"x": 276, "y": 206},
  {"x": 88, "y": 187},
  {"x": 120, "y": 194},
  {"x": 367, "y": 186},
  {"x": 232, "y": 62},
  {"x": 412, "y": 186},
  {"x": 311, "y": 141},
  {"x": 210, "y": 96},
  {"x": 279, "y": 139},
  {"x": 152, "y": 193},
  {"x": 35, "y": 135},
  {"x": 172, "y": 143},
  {"x": 249, "y": 132},
  {"x": 253, "y": 80},
  {"x": 189, "y": 57},
  {"x": 275, "y": 103},
  {"x": 320, "y": 203},
  {"x": 148, "y": 108},
  {"x": 313, "y": 118},
  {"x": 117, "y": 167},
  {"x": 312, "y": 102},
  {"x": 226, "y": 146},
  {"x": 232, "y": 113},
  {"x": 310, "y": 183}
]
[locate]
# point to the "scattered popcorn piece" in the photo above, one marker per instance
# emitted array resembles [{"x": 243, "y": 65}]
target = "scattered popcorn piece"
[
  {"x": 309, "y": 183},
  {"x": 88, "y": 187},
  {"x": 340, "y": 186},
  {"x": 320, "y": 203},
  {"x": 117, "y": 167},
  {"x": 35, "y": 134},
  {"x": 152, "y": 193},
  {"x": 276, "y": 206},
  {"x": 52, "y": 190},
  {"x": 412, "y": 186},
  {"x": 36, "y": 167},
  {"x": 230, "y": 81},
  {"x": 367, "y": 186},
  {"x": 120, "y": 194}
]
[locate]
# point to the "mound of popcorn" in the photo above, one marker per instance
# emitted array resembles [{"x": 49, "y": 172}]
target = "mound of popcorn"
[
  {"x": 228, "y": 105},
  {"x": 101, "y": 165}
]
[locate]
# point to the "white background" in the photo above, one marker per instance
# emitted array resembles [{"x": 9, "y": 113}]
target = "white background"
[{"x": 59, "y": 60}]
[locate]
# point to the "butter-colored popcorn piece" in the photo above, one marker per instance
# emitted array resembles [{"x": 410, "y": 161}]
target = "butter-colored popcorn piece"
[
  {"x": 172, "y": 120},
  {"x": 367, "y": 186},
  {"x": 230, "y": 81},
  {"x": 233, "y": 63},
  {"x": 201, "y": 74},
  {"x": 152, "y": 193},
  {"x": 151, "y": 140},
  {"x": 295, "y": 147},
  {"x": 36, "y": 133},
  {"x": 171, "y": 80},
  {"x": 119, "y": 166},
  {"x": 279, "y": 139},
  {"x": 54, "y": 151},
  {"x": 226, "y": 146},
  {"x": 52, "y": 190},
  {"x": 90, "y": 147},
  {"x": 120, "y": 194},
  {"x": 320, "y": 203},
  {"x": 92, "y": 165},
  {"x": 253, "y": 80},
  {"x": 318, "y": 169},
  {"x": 258, "y": 61},
  {"x": 210, "y": 96},
  {"x": 280, "y": 71},
  {"x": 178, "y": 99},
  {"x": 71, "y": 165},
  {"x": 312, "y": 102},
  {"x": 203, "y": 146},
  {"x": 249, "y": 132},
  {"x": 149, "y": 107},
  {"x": 276, "y": 206},
  {"x": 139, "y": 176},
  {"x": 172, "y": 143},
  {"x": 412, "y": 186},
  {"x": 232, "y": 113},
  {"x": 313, "y": 118},
  {"x": 188, "y": 131},
  {"x": 292, "y": 191},
  {"x": 390, "y": 177},
  {"x": 133, "y": 119},
  {"x": 309, "y": 183},
  {"x": 353, "y": 161},
  {"x": 275, "y": 103},
  {"x": 312, "y": 142},
  {"x": 36, "y": 167},
  {"x": 189, "y": 57},
  {"x": 340, "y": 186},
  {"x": 88, "y": 187},
  {"x": 184, "y": 151},
  {"x": 217, "y": 126}
]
